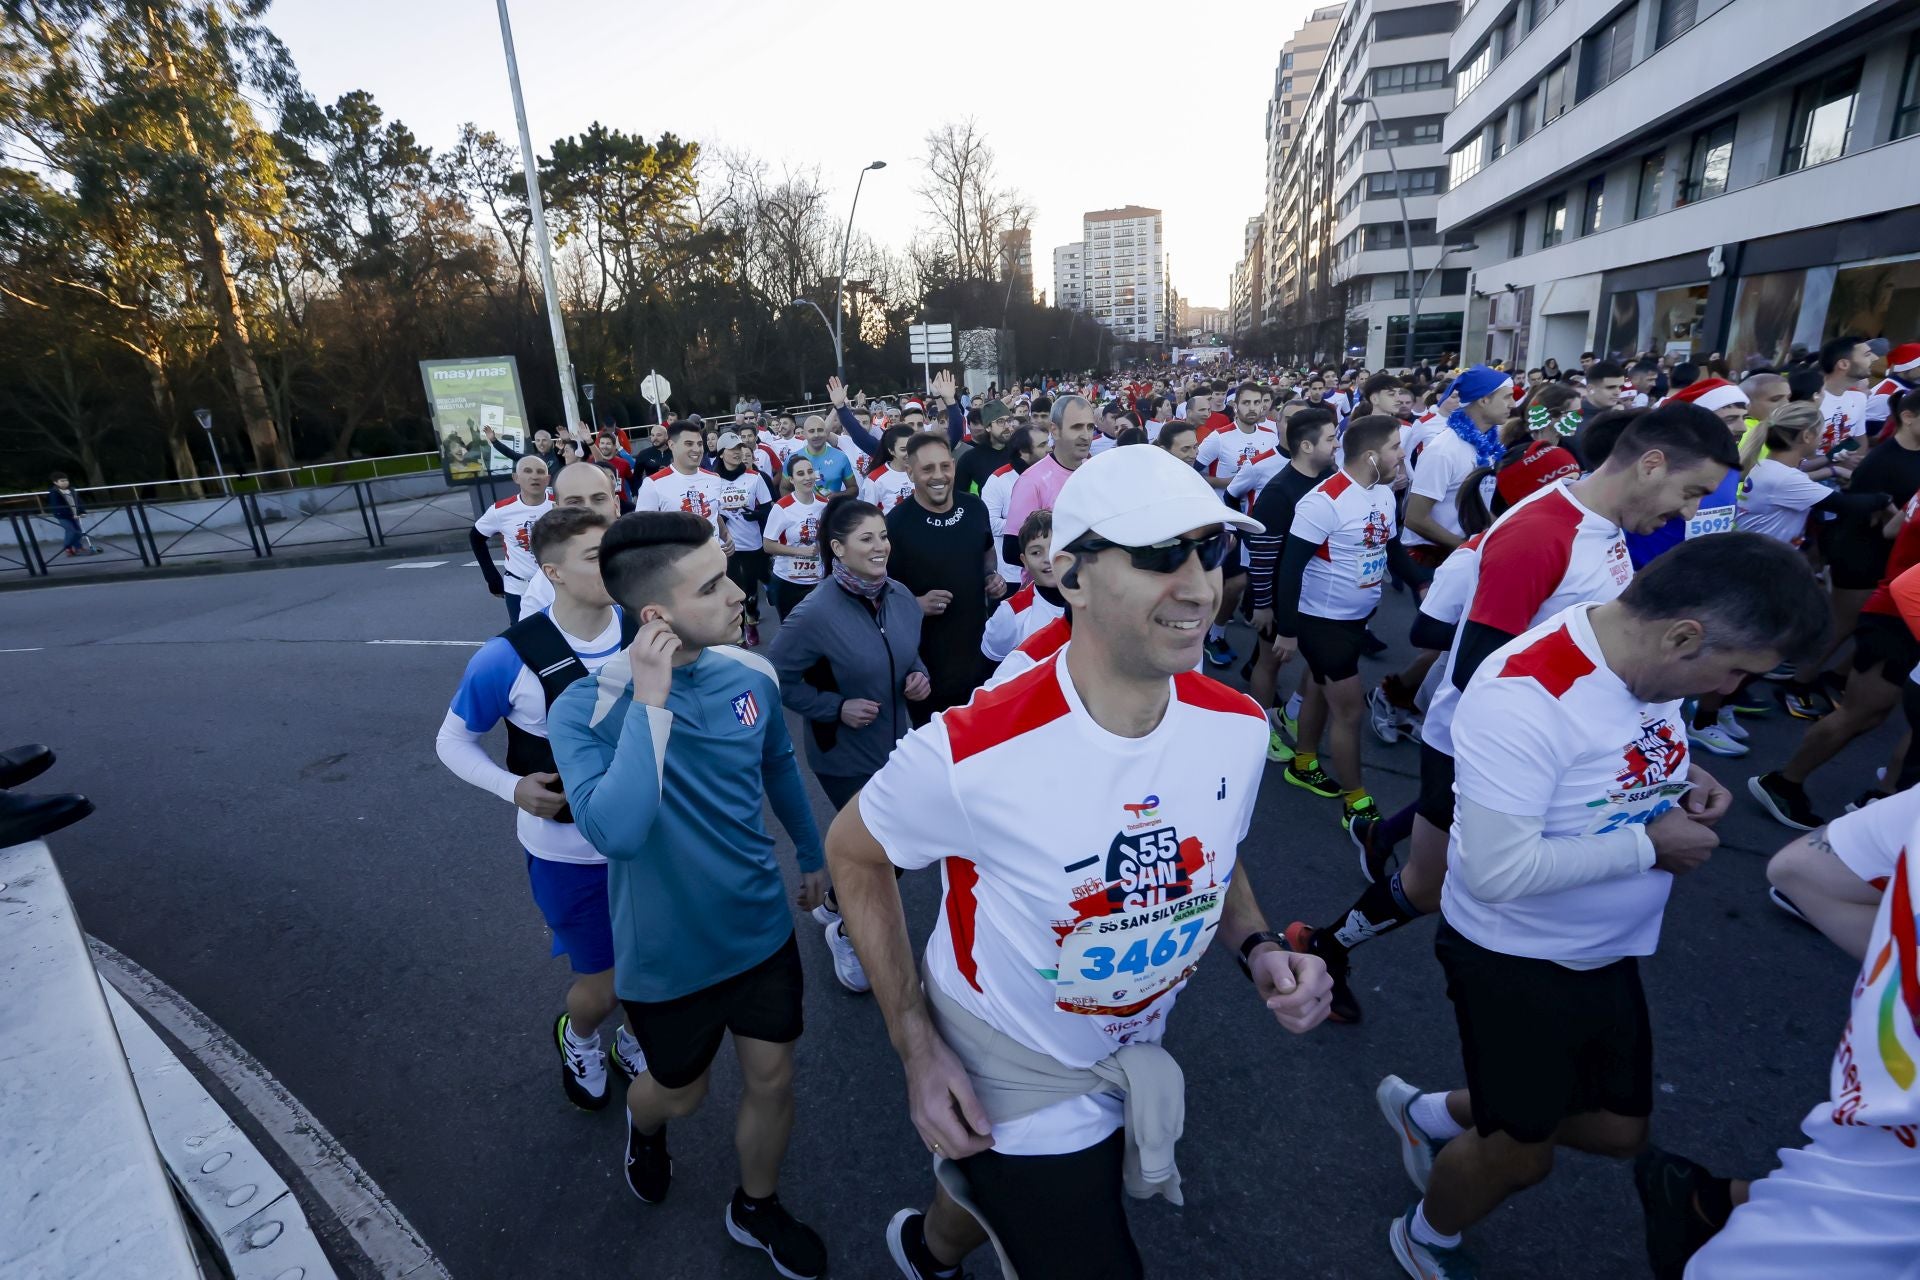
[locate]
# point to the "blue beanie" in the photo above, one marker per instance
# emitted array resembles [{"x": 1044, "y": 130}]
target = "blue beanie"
[{"x": 1478, "y": 383}]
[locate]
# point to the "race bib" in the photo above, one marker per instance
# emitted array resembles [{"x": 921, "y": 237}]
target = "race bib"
[
  {"x": 1624, "y": 809},
  {"x": 1123, "y": 960},
  {"x": 1710, "y": 520},
  {"x": 1370, "y": 570},
  {"x": 802, "y": 569}
]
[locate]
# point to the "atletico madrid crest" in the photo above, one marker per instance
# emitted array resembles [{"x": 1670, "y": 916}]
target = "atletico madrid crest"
[{"x": 746, "y": 709}]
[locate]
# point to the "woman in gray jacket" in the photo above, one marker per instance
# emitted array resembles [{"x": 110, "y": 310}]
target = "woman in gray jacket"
[{"x": 848, "y": 656}]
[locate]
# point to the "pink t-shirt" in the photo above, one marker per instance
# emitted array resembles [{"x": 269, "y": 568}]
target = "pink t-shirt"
[{"x": 1036, "y": 490}]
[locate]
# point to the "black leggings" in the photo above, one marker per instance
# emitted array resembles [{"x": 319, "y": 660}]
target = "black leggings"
[
  {"x": 788, "y": 595},
  {"x": 841, "y": 787},
  {"x": 1059, "y": 1217}
]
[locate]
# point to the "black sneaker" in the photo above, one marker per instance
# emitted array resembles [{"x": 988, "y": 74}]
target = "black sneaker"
[
  {"x": 796, "y": 1249},
  {"x": 649, "y": 1164},
  {"x": 1865, "y": 798},
  {"x": 907, "y": 1242},
  {"x": 1666, "y": 1184},
  {"x": 1376, "y": 853},
  {"x": 1785, "y": 801},
  {"x": 1221, "y": 652},
  {"x": 1344, "y": 1005}
]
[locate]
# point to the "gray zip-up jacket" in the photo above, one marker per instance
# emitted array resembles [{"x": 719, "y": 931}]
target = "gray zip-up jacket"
[{"x": 835, "y": 646}]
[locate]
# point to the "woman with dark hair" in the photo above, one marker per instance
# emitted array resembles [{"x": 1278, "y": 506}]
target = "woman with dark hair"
[
  {"x": 793, "y": 536},
  {"x": 1535, "y": 457}
]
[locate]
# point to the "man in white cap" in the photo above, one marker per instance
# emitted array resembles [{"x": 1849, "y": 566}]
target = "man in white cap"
[{"x": 1071, "y": 919}]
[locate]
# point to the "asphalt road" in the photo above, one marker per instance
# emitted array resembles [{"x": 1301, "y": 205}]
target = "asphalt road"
[{"x": 277, "y": 840}]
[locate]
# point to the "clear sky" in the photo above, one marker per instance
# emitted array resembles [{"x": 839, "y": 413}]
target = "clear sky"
[{"x": 1071, "y": 96}]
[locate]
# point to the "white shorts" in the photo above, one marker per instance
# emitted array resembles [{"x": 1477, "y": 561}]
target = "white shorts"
[{"x": 1846, "y": 1205}]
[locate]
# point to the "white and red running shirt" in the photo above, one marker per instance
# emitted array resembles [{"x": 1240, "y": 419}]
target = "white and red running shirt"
[
  {"x": 1349, "y": 527},
  {"x": 1546, "y": 731},
  {"x": 511, "y": 521},
  {"x": 885, "y": 488},
  {"x": 1845, "y": 416},
  {"x": 1071, "y": 925},
  {"x": 1545, "y": 553},
  {"x": 1880, "y": 398},
  {"x": 740, "y": 497},
  {"x": 702, "y": 493},
  {"x": 1445, "y": 460},
  {"x": 1017, "y": 617},
  {"x": 793, "y": 523},
  {"x": 1223, "y": 453},
  {"x": 997, "y": 493}
]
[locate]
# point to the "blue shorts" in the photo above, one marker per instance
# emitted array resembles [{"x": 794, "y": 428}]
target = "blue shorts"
[{"x": 573, "y": 898}]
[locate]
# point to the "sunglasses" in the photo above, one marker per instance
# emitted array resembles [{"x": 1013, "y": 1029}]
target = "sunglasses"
[{"x": 1168, "y": 556}]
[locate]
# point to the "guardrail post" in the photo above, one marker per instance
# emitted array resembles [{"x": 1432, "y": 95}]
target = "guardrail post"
[
  {"x": 133, "y": 510},
  {"x": 29, "y": 545},
  {"x": 146, "y": 523},
  {"x": 373, "y": 510},
  {"x": 256, "y": 527},
  {"x": 364, "y": 499}
]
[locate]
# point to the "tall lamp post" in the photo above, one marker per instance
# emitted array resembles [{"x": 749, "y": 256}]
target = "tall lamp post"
[
  {"x": 840, "y": 287},
  {"x": 1400, "y": 194},
  {"x": 1413, "y": 300},
  {"x": 833, "y": 330},
  {"x": 205, "y": 418}
]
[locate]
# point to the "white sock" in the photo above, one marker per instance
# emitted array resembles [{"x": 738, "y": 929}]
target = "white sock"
[
  {"x": 1217, "y": 632},
  {"x": 1429, "y": 1111},
  {"x": 1423, "y": 1231},
  {"x": 585, "y": 1043},
  {"x": 624, "y": 1038}
]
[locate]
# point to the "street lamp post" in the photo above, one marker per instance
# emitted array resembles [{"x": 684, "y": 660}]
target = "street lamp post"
[
  {"x": 205, "y": 418},
  {"x": 1413, "y": 300},
  {"x": 1399, "y": 194},
  {"x": 832, "y": 330},
  {"x": 840, "y": 286}
]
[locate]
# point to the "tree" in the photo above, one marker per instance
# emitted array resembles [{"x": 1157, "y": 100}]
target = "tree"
[{"x": 970, "y": 210}]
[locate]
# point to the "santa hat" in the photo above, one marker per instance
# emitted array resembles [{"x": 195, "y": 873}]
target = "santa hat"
[
  {"x": 912, "y": 406},
  {"x": 1904, "y": 358},
  {"x": 1712, "y": 394}
]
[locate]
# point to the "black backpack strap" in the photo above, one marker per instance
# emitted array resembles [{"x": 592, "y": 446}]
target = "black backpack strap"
[{"x": 546, "y": 652}]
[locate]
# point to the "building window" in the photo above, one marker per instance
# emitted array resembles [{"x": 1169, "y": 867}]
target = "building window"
[
  {"x": 1413, "y": 182},
  {"x": 1392, "y": 235},
  {"x": 1405, "y": 132},
  {"x": 1518, "y": 245},
  {"x": 1467, "y": 161},
  {"x": 1472, "y": 72},
  {"x": 1651, "y": 168},
  {"x": 1554, "y": 230},
  {"x": 1409, "y": 77},
  {"x": 1708, "y": 163},
  {"x": 1529, "y": 116},
  {"x": 1906, "y": 116},
  {"x": 1554, "y": 94},
  {"x": 1593, "y": 209},
  {"x": 1822, "y": 119},
  {"x": 1676, "y": 16},
  {"x": 1496, "y": 138},
  {"x": 1607, "y": 52}
]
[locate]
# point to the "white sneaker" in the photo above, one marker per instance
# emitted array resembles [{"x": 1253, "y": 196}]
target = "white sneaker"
[
  {"x": 583, "y": 1068},
  {"x": 1731, "y": 723},
  {"x": 846, "y": 961},
  {"x": 1380, "y": 716},
  {"x": 1417, "y": 1147},
  {"x": 626, "y": 1055},
  {"x": 1718, "y": 741},
  {"x": 825, "y": 915}
]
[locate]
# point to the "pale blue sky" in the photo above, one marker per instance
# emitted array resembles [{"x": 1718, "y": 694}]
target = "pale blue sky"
[{"x": 1069, "y": 94}]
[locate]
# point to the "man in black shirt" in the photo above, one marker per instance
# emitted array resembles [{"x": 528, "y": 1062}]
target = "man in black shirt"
[
  {"x": 653, "y": 456},
  {"x": 988, "y": 455},
  {"x": 1312, "y": 435},
  {"x": 943, "y": 553}
]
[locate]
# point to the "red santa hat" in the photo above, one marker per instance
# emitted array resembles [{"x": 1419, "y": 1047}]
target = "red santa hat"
[
  {"x": 1904, "y": 358},
  {"x": 1712, "y": 394}
]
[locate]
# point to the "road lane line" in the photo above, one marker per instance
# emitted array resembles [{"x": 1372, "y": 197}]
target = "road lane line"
[
  {"x": 374, "y": 1222},
  {"x": 458, "y": 644},
  {"x": 35, "y": 649},
  {"x": 418, "y": 564}
]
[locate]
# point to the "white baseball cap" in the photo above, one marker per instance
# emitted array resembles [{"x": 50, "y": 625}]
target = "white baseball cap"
[{"x": 1136, "y": 495}]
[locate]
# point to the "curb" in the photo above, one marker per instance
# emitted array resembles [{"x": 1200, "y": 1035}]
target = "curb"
[{"x": 251, "y": 564}]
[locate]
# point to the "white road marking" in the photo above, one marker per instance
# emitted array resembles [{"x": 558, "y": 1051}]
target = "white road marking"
[
  {"x": 457, "y": 644},
  {"x": 35, "y": 649},
  {"x": 376, "y": 1224},
  {"x": 418, "y": 564}
]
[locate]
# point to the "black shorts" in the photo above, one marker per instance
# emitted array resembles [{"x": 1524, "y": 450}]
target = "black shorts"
[
  {"x": 1435, "y": 802},
  {"x": 749, "y": 569},
  {"x": 1543, "y": 1042},
  {"x": 1060, "y": 1217},
  {"x": 682, "y": 1035},
  {"x": 1881, "y": 640},
  {"x": 1331, "y": 646}
]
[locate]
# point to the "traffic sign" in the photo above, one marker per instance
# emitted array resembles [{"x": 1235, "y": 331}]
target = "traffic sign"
[
  {"x": 655, "y": 389},
  {"x": 930, "y": 343}
]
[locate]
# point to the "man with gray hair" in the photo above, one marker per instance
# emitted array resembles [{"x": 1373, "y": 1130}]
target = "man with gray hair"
[{"x": 1073, "y": 429}]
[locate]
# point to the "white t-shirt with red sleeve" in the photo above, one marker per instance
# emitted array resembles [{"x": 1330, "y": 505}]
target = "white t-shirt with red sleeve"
[
  {"x": 1547, "y": 731},
  {"x": 1072, "y": 924},
  {"x": 1223, "y": 453},
  {"x": 702, "y": 493},
  {"x": 793, "y": 523},
  {"x": 1017, "y": 617},
  {"x": 1349, "y": 526},
  {"x": 885, "y": 488},
  {"x": 1250, "y": 479},
  {"x": 1845, "y": 416},
  {"x": 1445, "y": 460},
  {"x": 997, "y": 494},
  {"x": 511, "y": 520},
  {"x": 1544, "y": 553}
]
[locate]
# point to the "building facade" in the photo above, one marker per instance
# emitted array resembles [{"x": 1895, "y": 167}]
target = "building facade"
[
  {"x": 1016, "y": 253},
  {"x": 1698, "y": 176},
  {"x": 1123, "y": 272},
  {"x": 1069, "y": 291},
  {"x": 1245, "y": 289},
  {"x": 1293, "y": 82}
]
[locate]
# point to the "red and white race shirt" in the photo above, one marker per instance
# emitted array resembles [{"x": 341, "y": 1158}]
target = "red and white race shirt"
[
  {"x": 997, "y": 494},
  {"x": 1032, "y": 651},
  {"x": 769, "y": 461},
  {"x": 1018, "y": 616},
  {"x": 1451, "y": 591},
  {"x": 1223, "y": 453},
  {"x": 1543, "y": 554},
  {"x": 1071, "y": 925},
  {"x": 1880, "y": 398},
  {"x": 885, "y": 488},
  {"x": 1445, "y": 460},
  {"x": 1546, "y": 730},
  {"x": 1349, "y": 527},
  {"x": 740, "y": 497},
  {"x": 793, "y": 523},
  {"x": 1845, "y": 416},
  {"x": 668, "y": 490},
  {"x": 511, "y": 521},
  {"x": 855, "y": 455},
  {"x": 1249, "y": 480}
]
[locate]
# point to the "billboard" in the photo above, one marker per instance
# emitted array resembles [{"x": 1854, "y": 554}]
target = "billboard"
[{"x": 476, "y": 403}]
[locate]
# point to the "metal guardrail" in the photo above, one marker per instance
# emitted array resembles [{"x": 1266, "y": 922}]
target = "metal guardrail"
[{"x": 313, "y": 475}]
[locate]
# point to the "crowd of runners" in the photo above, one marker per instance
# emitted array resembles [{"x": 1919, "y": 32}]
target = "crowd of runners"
[{"x": 1616, "y": 565}]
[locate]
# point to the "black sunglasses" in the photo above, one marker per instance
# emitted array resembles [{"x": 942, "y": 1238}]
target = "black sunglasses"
[{"x": 1168, "y": 556}]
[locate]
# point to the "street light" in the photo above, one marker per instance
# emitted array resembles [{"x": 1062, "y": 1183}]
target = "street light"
[
  {"x": 1399, "y": 194},
  {"x": 1413, "y": 300},
  {"x": 840, "y": 287},
  {"x": 205, "y": 418},
  {"x": 832, "y": 332}
]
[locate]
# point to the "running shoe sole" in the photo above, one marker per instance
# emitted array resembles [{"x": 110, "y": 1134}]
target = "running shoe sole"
[
  {"x": 742, "y": 1236},
  {"x": 1778, "y": 814},
  {"x": 896, "y": 1244},
  {"x": 825, "y": 915},
  {"x": 1329, "y": 793},
  {"x": 1785, "y": 903},
  {"x": 1729, "y": 747},
  {"x": 1394, "y": 1096}
]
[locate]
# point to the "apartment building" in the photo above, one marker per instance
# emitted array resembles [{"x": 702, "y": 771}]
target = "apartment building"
[
  {"x": 1698, "y": 176},
  {"x": 1293, "y": 79},
  {"x": 1068, "y": 283},
  {"x": 1016, "y": 253},
  {"x": 1123, "y": 272}
]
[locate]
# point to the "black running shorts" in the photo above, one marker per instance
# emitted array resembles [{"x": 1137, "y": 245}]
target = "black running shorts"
[
  {"x": 1331, "y": 646},
  {"x": 682, "y": 1035},
  {"x": 1881, "y": 640},
  {"x": 1543, "y": 1042},
  {"x": 1059, "y": 1217},
  {"x": 1435, "y": 802}
]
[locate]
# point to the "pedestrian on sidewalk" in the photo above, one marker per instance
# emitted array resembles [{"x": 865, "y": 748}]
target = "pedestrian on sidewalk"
[{"x": 63, "y": 500}]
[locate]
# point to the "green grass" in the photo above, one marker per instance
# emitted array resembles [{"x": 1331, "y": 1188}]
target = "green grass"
[{"x": 326, "y": 473}]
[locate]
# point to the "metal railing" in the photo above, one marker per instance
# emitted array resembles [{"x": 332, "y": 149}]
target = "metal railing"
[{"x": 312, "y": 475}]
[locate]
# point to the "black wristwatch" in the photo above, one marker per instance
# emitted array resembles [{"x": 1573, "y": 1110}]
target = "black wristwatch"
[{"x": 1253, "y": 940}]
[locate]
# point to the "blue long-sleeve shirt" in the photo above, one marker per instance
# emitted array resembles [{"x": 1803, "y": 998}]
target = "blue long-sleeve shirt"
[
  {"x": 673, "y": 797},
  {"x": 956, "y": 429}
]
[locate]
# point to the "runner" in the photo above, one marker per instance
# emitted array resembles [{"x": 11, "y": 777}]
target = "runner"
[
  {"x": 669, "y": 756},
  {"x": 1471, "y": 439},
  {"x": 1312, "y": 438},
  {"x": 686, "y": 485},
  {"x": 833, "y": 471},
  {"x": 583, "y": 485},
  {"x": 745, "y": 503},
  {"x": 1328, "y": 584},
  {"x": 515, "y": 677},
  {"x": 1040, "y": 484},
  {"x": 511, "y": 520},
  {"x": 1026, "y": 446},
  {"x": 1032, "y": 606},
  {"x": 1142, "y": 843},
  {"x": 1903, "y": 371},
  {"x": 888, "y": 485},
  {"x": 793, "y": 538},
  {"x": 1578, "y": 802}
]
